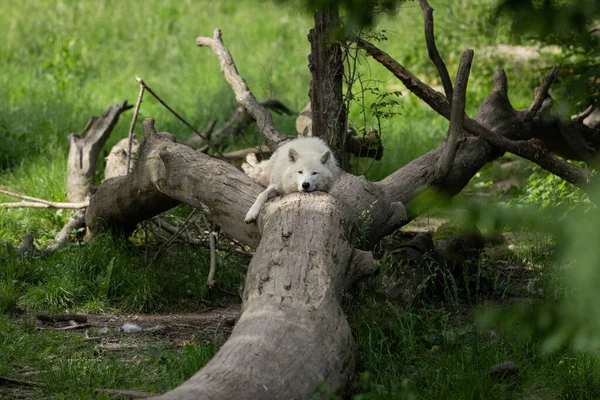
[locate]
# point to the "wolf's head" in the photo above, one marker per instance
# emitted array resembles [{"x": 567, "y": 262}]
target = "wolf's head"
[{"x": 311, "y": 172}]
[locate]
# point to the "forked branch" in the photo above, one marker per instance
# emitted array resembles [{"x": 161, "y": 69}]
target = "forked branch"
[
  {"x": 457, "y": 116},
  {"x": 242, "y": 93}
]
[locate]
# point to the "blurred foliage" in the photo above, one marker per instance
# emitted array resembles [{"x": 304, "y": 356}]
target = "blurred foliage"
[
  {"x": 564, "y": 312},
  {"x": 546, "y": 190},
  {"x": 357, "y": 14},
  {"x": 572, "y": 25}
]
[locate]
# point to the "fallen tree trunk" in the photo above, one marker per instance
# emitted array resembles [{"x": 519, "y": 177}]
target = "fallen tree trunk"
[
  {"x": 166, "y": 174},
  {"x": 291, "y": 299}
]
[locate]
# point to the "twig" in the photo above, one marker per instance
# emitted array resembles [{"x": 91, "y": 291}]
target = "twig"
[
  {"x": 242, "y": 93},
  {"x": 434, "y": 55},
  {"x": 179, "y": 117},
  {"x": 65, "y": 328},
  {"x": 206, "y": 132},
  {"x": 88, "y": 338},
  {"x": 172, "y": 238},
  {"x": 457, "y": 116},
  {"x": 241, "y": 154},
  {"x": 210, "y": 281},
  {"x": 209, "y": 128},
  {"x": 136, "y": 112},
  {"x": 30, "y": 204},
  {"x": 173, "y": 230},
  {"x": 34, "y": 202},
  {"x": 583, "y": 115},
  {"x": 542, "y": 92}
]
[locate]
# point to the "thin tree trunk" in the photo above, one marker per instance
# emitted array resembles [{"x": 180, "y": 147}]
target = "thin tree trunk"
[{"x": 329, "y": 114}]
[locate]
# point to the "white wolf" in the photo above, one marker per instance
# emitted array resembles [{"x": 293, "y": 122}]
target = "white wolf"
[{"x": 301, "y": 165}]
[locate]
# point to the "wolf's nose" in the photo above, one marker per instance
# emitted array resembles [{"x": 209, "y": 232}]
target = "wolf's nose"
[{"x": 305, "y": 185}]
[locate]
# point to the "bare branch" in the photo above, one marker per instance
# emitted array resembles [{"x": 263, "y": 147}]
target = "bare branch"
[
  {"x": 210, "y": 281},
  {"x": 183, "y": 227},
  {"x": 241, "y": 154},
  {"x": 34, "y": 202},
  {"x": 136, "y": 112},
  {"x": 180, "y": 118},
  {"x": 10, "y": 381},
  {"x": 457, "y": 116},
  {"x": 533, "y": 150},
  {"x": 209, "y": 128},
  {"x": 76, "y": 221},
  {"x": 583, "y": 115},
  {"x": 433, "y": 98},
  {"x": 174, "y": 230},
  {"x": 242, "y": 93},
  {"x": 542, "y": 92},
  {"x": 434, "y": 55}
]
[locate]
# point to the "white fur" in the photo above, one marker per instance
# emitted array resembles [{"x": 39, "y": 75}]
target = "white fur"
[{"x": 305, "y": 164}]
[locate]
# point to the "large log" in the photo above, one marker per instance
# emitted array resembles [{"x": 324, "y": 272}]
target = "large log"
[{"x": 292, "y": 334}]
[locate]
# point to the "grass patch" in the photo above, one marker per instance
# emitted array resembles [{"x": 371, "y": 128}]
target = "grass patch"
[
  {"x": 66, "y": 366},
  {"x": 110, "y": 274}
]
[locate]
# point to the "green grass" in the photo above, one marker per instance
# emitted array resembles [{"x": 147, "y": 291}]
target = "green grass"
[
  {"x": 430, "y": 353},
  {"x": 106, "y": 274},
  {"x": 67, "y": 367}
]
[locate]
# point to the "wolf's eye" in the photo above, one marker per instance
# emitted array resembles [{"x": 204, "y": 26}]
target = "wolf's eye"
[
  {"x": 300, "y": 172},
  {"x": 314, "y": 173}
]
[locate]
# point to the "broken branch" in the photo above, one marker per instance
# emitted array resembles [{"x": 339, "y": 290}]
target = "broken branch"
[
  {"x": 136, "y": 112},
  {"x": 542, "y": 92},
  {"x": 242, "y": 93},
  {"x": 457, "y": 115},
  {"x": 34, "y": 202},
  {"x": 210, "y": 281},
  {"x": 583, "y": 115},
  {"x": 241, "y": 154},
  {"x": 434, "y": 55}
]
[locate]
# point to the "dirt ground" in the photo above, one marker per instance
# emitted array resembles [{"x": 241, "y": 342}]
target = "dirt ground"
[{"x": 142, "y": 329}]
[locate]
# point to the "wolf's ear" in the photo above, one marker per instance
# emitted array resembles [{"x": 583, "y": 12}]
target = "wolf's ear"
[
  {"x": 325, "y": 157},
  {"x": 293, "y": 155}
]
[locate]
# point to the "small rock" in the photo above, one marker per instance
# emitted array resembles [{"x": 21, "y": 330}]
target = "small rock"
[
  {"x": 130, "y": 328},
  {"x": 504, "y": 369}
]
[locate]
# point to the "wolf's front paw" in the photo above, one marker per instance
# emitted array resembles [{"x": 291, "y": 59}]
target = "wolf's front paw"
[{"x": 252, "y": 215}]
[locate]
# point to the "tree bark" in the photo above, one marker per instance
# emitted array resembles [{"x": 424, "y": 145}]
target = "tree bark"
[
  {"x": 329, "y": 114},
  {"x": 84, "y": 150},
  {"x": 291, "y": 298}
]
